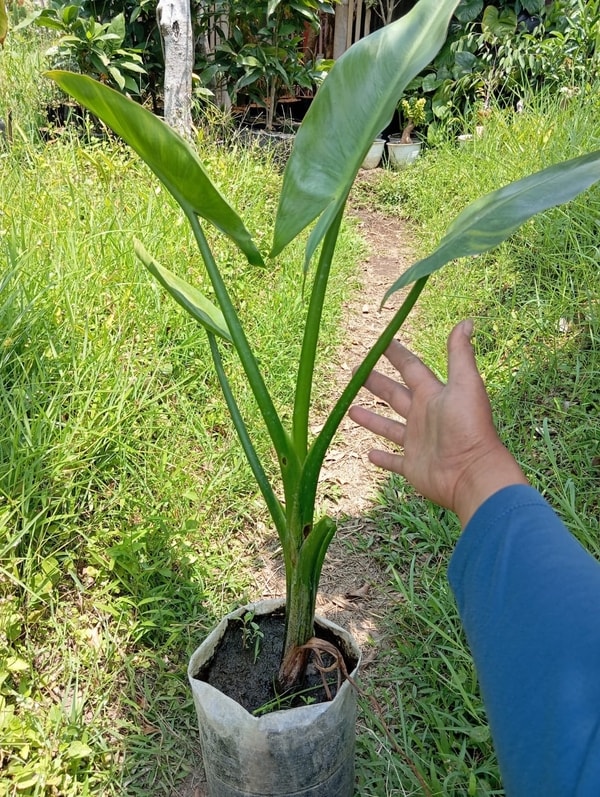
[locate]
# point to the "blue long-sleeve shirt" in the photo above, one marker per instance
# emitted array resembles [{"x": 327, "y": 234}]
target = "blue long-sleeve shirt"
[{"x": 529, "y": 599}]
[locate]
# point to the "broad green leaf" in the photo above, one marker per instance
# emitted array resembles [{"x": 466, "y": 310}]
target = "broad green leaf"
[
  {"x": 248, "y": 79},
  {"x": 465, "y": 63},
  {"x": 117, "y": 76},
  {"x": 499, "y": 24},
  {"x": 25, "y": 778},
  {"x": 70, "y": 14},
  {"x": 533, "y": 6},
  {"x": 430, "y": 82},
  {"x": 106, "y": 37},
  {"x": 131, "y": 66},
  {"x": 356, "y": 101},
  {"x": 168, "y": 155},
  {"x": 468, "y": 10},
  {"x": 117, "y": 27},
  {"x": 491, "y": 219},
  {"x": 249, "y": 60},
  {"x": 3, "y": 22},
  {"x": 15, "y": 664},
  {"x": 190, "y": 298},
  {"x": 46, "y": 22},
  {"x": 78, "y": 749}
]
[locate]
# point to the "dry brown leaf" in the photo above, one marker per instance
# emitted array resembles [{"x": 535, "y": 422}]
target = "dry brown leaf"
[{"x": 361, "y": 592}]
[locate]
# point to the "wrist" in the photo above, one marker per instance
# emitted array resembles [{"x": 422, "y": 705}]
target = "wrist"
[{"x": 488, "y": 473}]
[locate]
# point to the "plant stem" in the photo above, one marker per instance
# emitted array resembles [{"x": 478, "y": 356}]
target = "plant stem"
[
  {"x": 282, "y": 443},
  {"x": 316, "y": 454},
  {"x": 301, "y": 599},
  {"x": 299, "y": 628},
  {"x": 312, "y": 326},
  {"x": 273, "y": 504},
  {"x": 307, "y": 558}
]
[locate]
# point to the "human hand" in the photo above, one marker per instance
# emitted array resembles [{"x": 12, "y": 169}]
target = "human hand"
[{"x": 451, "y": 451}]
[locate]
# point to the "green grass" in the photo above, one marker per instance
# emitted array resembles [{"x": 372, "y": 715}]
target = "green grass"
[
  {"x": 536, "y": 305},
  {"x": 423, "y": 679},
  {"x": 129, "y": 520}
]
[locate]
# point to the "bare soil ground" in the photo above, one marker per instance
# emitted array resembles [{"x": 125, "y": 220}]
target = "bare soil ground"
[{"x": 354, "y": 590}]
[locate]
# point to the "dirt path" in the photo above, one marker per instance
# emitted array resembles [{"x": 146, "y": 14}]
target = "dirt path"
[{"x": 353, "y": 588}]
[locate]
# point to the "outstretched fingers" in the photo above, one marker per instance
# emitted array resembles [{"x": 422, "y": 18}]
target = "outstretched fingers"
[
  {"x": 379, "y": 424},
  {"x": 414, "y": 372},
  {"x": 462, "y": 368},
  {"x": 396, "y": 395},
  {"x": 385, "y": 427},
  {"x": 387, "y": 460}
]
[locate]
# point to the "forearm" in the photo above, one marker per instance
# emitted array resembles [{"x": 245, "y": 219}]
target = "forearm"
[{"x": 528, "y": 594}]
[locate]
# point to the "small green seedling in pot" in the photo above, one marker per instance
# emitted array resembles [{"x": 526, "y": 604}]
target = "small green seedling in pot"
[{"x": 252, "y": 636}]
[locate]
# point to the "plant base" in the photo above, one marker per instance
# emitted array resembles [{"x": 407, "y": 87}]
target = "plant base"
[{"x": 306, "y": 751}]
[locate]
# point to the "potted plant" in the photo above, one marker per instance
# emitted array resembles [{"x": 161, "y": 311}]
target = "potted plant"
[
  {"x": 316, "y": 185},
  {"x": 91, "y": 47},
  {"x": 373, "y": 156},
  {"x": 404, "y": 149}
]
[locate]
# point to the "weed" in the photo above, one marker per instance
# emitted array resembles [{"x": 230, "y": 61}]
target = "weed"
[
  {"x": 252, "y": 636},
  {"x": 281, "y": 702}
]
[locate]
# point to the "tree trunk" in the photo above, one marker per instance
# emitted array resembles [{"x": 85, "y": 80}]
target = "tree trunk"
[
  {"x": 3, "y": 22},
  {"x": 175, "y": 25}
]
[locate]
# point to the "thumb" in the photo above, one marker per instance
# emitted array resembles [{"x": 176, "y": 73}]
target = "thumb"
[{"x": 462, "y": 367}]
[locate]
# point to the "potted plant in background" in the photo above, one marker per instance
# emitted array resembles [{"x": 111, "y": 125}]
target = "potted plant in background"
[
  {"x": 91, "y": 47},
  {"x": 374, "y": 155},
  {"x": 306, "y": 749},
  {"x": 403, "y": 149}
]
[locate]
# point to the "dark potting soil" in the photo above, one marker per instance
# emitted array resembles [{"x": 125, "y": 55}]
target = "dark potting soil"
[{"x": 233, "y": 671}]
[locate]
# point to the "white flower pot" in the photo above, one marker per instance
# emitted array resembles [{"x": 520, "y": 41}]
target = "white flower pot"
[
  {"x": 402, "y": 155},
  {"x": 374, "y": 154},
  {"x": 464, "y": 139}
]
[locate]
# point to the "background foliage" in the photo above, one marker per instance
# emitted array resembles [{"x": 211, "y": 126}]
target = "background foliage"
[
  {"x": 502, "y": 54},
  {"x": 497, "y": 52}
]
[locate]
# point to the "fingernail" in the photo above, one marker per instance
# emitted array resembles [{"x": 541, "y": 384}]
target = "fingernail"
[{"x": 468, "y": 327}]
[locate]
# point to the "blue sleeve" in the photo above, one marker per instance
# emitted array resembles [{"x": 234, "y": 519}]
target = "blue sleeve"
[{"x": 529, "y": 599}]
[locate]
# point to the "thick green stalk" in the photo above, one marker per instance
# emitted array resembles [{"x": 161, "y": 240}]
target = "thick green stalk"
[
  {"x": 302, "y": 586},
  {"x": 273, "y": 504},
  {"x": 288, "y": 461},
  {"x": 299, "y": 628},
  {"x": 303, "y": 578},
  {"x": 306, "y": 365},
  {"x": 316, "y": 454}
]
